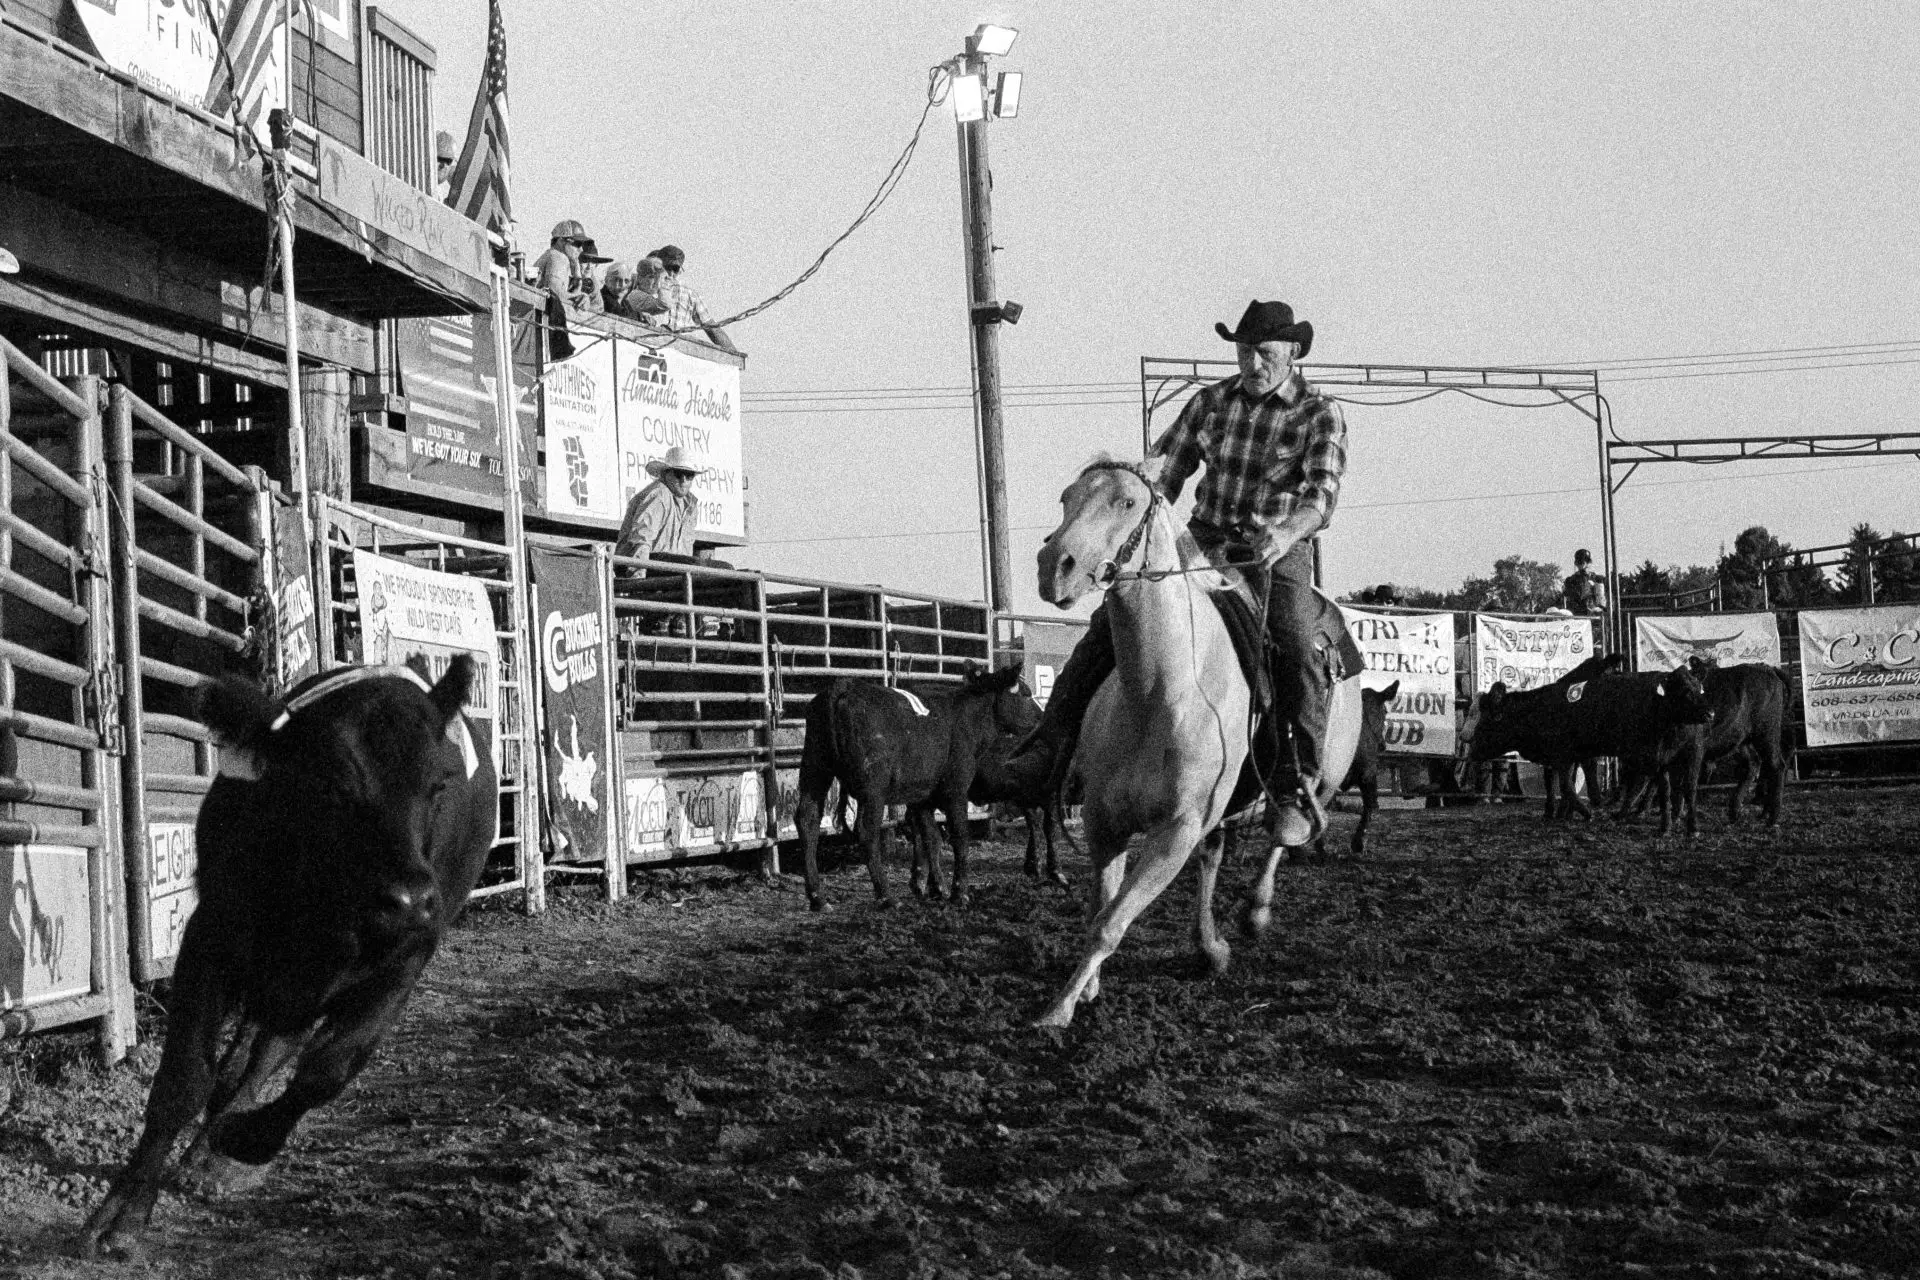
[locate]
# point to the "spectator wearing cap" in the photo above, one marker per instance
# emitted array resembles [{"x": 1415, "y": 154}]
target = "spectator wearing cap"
[
  {"x": 1584, "y": 592},
  {"x": 685, "y": 309},
  {"x": 565, "y": 270},
  {"x": 444, "y": 155},
  {"x": 643, "y": 301},
  {"x": 659, "y": 520}
]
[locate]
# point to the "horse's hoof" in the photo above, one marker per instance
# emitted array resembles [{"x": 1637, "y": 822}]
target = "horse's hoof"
[
  {"x": 816, "y": 905},
  {"x": 216, "y": 1176},
  {"x": 1256, "y": 921},
  {"x": 1219, "y": 960},
  {"x": 1059, "y": 1018}
]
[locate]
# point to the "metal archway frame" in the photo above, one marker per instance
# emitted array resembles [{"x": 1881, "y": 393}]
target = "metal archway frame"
[
  {"x": 1717, "y": 450},
  {"x": 1164, "y": 381}
]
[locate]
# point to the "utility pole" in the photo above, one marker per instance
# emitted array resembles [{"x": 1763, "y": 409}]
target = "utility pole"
[{"x": 984, "y": 314}]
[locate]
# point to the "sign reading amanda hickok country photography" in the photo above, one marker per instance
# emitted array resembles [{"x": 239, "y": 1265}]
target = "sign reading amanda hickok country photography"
[
  {"x": 1729, "y": 639},
  {"x": 1860, "y": 674},
  {"x": 1416, "y": 650},
  {"x": 669, "y": 398},
  {"x": 1527, "y": 653}
]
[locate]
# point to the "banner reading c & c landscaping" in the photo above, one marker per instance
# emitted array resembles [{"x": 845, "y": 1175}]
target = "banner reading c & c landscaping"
[
  {"x": 1415, "y": 649},
  {"x": 1860, "y": 674}
]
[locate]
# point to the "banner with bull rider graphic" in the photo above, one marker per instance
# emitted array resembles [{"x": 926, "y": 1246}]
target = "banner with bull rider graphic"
[
  {"x": 1525, "y": 653},
  {"x": 576, "y": 733},
  {"x": 1860, "y": 674},
  {"x": 1415, "y": 650},
  {"x": 1728, "y": 639}
]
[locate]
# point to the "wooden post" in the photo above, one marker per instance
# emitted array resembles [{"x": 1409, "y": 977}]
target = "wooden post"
[{"x": 325, "y": 392}]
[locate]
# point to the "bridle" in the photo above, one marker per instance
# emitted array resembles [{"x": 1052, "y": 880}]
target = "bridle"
[{"x": 1108, "y": 572}]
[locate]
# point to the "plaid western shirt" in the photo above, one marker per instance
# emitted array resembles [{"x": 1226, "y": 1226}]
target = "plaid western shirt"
[
  {"x": 685, "y": 308},
  {"x": 1265, "y": 459}
]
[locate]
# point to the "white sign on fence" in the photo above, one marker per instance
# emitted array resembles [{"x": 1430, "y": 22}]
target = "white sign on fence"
[
  {"x": 173, "y": 891},
  {"x": 406, "y": 610},
  {"x": 1729, "y": 639},
  {"x": 170, "y": 46},
  {"x": 1415, "y": 649},
  {"x": 1527, "y": 653},
  {"x": 583, "y": 451},
  {"x": 669, "y": 398},
  {"x": 1860, "y": 674},
  {"x": 46, "y": 949}
]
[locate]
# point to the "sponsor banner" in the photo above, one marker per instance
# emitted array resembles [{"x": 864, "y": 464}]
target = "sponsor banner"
[
  {"x": 169, "y": 46},
  {"x": 295, "y": 625},
  {"x": 1046, "y": 647},
  {"x": 668, "y": 397},
  {"x": 670, "y": 817},
  {"x": 1860, "y": 674},
  {"x": 1729, "y": 639},
  {"x": 446, "y": 372},
  {"x": 173, "y": 862},
  {"x": 46, "y": 949},
  {"x": 1525, "y": 654},
  {"x": 406, "y": 610},
  {"x": 1415, "y": 649},
  {"x": 583, "y": 455},
  {"x": 573, "y": 660}
]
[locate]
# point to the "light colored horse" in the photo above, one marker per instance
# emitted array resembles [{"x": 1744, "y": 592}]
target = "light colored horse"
[{"x": 1165, "y": 737}]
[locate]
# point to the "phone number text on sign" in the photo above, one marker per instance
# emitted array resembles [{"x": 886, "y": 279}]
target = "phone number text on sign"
[{"x": 172, "y": 885}]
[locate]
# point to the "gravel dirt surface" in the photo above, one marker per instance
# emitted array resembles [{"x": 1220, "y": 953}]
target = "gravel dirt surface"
[{"x": 1489, "y": 1048}]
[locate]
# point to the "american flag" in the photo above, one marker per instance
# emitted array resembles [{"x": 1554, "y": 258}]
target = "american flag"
[
  {"x": 478, "y": 184},
  {"x": 248, "y": 32}
]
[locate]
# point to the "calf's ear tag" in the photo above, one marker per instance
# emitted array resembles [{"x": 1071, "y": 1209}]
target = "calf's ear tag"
[
  {"x": 1575, "y": 692},
  {"x": 1659, "y": 691},
  {"x": 460, "y": 736}
]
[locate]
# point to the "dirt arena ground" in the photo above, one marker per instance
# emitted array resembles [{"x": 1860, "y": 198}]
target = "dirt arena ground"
[{"x": 1489, "y": 1049}]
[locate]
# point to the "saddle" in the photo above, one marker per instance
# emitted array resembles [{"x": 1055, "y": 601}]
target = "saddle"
[{"x": 1268, "y": 744}]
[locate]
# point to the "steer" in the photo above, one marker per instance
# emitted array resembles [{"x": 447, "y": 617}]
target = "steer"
[
  {"x": 1749, "y": 721},
  {"x": 342, "y": 836},
  {"x": 887, "y": 746},
  {"x": 1650, "y": 721},
  {"x": 1037, "y": 799},
  {"x": 1364, "y": 772},
  {"x": 1558, "y": 772}
]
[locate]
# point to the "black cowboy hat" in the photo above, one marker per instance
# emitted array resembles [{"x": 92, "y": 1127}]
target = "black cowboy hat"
[{"x": 1269, "y": 322}]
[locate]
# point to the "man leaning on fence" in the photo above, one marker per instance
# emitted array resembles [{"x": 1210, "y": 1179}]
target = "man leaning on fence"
[{"x": 659, "y": 520}]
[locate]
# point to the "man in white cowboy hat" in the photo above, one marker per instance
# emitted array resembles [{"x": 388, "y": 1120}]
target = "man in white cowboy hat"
[
  {"x": 1275, "y": 451},
  {"x": 659, "y": 520}
]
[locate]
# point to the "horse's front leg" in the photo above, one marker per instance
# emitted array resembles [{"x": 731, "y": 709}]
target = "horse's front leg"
[
  {"x": 1164, "y": 851},
  {"x": 1259, "y": 899},
  {"x": 1206, "y": 937}
]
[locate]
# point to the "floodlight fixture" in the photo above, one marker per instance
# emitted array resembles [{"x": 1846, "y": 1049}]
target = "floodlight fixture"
[
  {"x": 1006, "y": 95},
  {"x": 969, "y": 98},
  {"x": 991, "y": 40}
]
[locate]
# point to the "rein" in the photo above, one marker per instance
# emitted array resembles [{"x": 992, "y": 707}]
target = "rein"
[{"x": 1108, "y": 573}]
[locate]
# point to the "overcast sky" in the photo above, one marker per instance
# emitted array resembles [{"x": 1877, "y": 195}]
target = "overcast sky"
[{"x": 1459, "y": 184}]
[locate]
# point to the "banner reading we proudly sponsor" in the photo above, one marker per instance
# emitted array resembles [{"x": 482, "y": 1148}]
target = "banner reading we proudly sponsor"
[
  {"x": 1415, "y": 649},
  {"x": 667, "y": 398},
  {"x": 573, "y": 677},
  {"x": 1860, "y": 674},
  {"x": 1527, "y": 653},
  {"x": 407, "y": 610},
  {"x": 1729, "y": 639},
  {"x": 170, "y": 46},
  {"x": 583, "y": 453}
]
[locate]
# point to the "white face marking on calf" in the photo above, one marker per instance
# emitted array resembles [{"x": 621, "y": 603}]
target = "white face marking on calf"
[
  {"x": 462, "y": 737},
  {"x": 919, "y": 707}
]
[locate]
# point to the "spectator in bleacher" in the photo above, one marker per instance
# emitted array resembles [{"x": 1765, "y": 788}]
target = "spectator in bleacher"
[
  {"x": 445, "y": 152},
  {"x": 659, "y": 520},
  {"x": 614, "y": 287},
  {"x": 685, "y": 309},
  {"x": 643, "y": 301},
  {"x": 1584, "y": 592},
  {"x": 565, "y": 270}
]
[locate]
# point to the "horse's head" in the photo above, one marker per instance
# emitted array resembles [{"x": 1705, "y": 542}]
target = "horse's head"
[{"x": 1107, "y": 509}]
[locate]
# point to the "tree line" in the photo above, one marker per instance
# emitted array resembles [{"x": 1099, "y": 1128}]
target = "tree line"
[{"x": 1520, "y": 585}]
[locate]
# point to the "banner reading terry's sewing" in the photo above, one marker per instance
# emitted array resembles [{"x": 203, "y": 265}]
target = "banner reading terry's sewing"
[
  {"x": 1527, "y": 653},
  {"x": 1728, "y": 639},
  {"x": 669, "y": 397},
  {"x": 583, "y": 454},
  {"x": 1414, "y": 650},
  {"x": 1860, "y": 674},
  {"x": 406, "y": 610}
]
